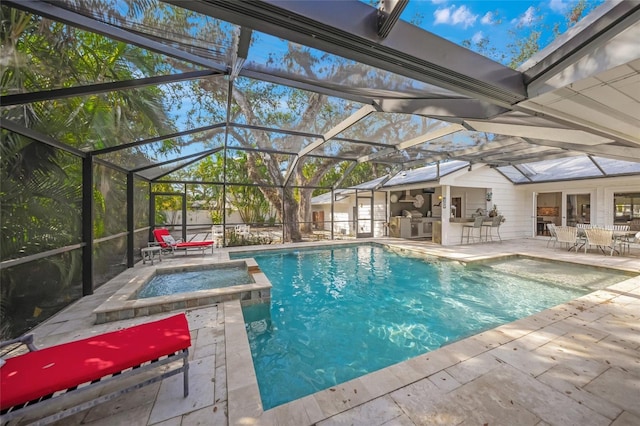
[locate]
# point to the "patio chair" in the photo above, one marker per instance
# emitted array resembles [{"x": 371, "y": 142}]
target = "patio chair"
[
  {"x": 582, "y": 238},
  {"x": 551, "y": 227},
  {"x": 496, "y": 221},
  {"x": 75, "y": 376},
  {"x": 217, "y": 234},
  {"x": 168, "y": 243},
  {"x": 567, "y": 235},
  {"x": 243, "y": 231},
  {"x": 601, "y": 238},
  {"x": 471, "y": 230},
  {"x": 623, "y": 236}
]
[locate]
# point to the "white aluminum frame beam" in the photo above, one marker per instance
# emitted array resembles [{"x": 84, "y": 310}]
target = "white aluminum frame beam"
[
  {"x": 550, "y": 133},
  {"x": 348, "y": 29},
  {"x": 435, "y": 134},
  {"x": 77, "y": 20},
  {"x": 340, "y": 127},
  {"x": 615, "y": 152},
  {"x": 487, "y": 147}
]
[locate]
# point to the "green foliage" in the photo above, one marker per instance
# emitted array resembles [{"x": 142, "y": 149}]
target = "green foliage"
[{"x": 42, "y": 186}]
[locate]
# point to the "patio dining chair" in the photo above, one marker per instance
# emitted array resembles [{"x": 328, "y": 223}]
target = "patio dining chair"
[
  {"x": 623, "y": 236},
  {"x": 551, "y": 227},
  {"x": 471, "y": 230},
  {"x": 601, "y": 238},
  {"x": 567, "y": 235},
  {"x": 582, "y": 238}
]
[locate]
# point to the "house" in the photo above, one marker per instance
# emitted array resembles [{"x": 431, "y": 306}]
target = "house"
[{"x": 435, "y": 201}]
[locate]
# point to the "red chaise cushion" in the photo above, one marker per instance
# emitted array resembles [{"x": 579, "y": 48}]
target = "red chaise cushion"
[
  {"x": 39, "y": 373},
  {"x": 194, "y": 244},
  {"x": 158, "y": 233}
]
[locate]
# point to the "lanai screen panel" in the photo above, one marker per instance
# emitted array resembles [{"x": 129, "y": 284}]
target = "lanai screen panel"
[
  {"x": 616, "y": 167},
  {"x": 513, "y": 174},
  {"x": 172, "y": 25},
  {"x": 430, "y": 173},
  {"x": 561, "y": 169},
  {"x": 110, "y": 119},
  {"x": 40, "y": 185},
  {"x": 256, "y": 168},
  {"x": 140, "y": 204},
  {"x": 175, "y": 171},
  {"x": 307, "y": 65},
  {"x": 198, "y": 103},
  {"x": 280, "y": 107},
  {"x": 390, "y": 128},
  {"x": 436, "y": 148},
  {"x": 268, "y": 140},
  {"x": 372, "y": 184},
  {"x": 579, "y": 167},
  {"x": 166, "y": 150},
  {"x": 51, "y": 55},
  {"x": 345, "y": 150}
]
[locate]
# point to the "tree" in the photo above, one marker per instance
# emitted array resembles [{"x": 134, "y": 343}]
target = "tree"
[
  {"x": 41, "y": 185},
  {"x": 525, "y": 37}
]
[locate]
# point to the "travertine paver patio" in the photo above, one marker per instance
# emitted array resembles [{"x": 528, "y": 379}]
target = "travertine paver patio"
[{"x": 577, "y": 363}]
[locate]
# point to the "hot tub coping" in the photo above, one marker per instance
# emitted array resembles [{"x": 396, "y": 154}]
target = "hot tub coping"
[{"x": 123, "y": 305}]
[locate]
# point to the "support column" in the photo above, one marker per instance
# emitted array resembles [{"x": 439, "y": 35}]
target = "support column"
[
  {"x": 446, "y": 213},
  {"x": 130, "y": 220},
  {"x": 87, "y": 225}
]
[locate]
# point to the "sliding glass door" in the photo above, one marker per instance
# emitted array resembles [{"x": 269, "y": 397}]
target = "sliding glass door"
[{"x": 577, "y": 209}]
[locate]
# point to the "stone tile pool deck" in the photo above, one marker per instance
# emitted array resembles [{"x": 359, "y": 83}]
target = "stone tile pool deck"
[{"x": 574, "y": 364}]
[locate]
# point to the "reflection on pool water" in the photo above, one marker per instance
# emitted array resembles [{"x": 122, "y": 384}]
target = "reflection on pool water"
[{"x": 340, "y": 313}]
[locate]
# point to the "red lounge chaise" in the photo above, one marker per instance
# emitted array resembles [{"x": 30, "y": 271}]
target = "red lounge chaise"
[
  {"x": 167, "y": 242},
  {"x": 42, "y": 377}
]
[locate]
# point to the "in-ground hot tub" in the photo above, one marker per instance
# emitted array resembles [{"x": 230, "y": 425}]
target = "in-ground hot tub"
[{"x": 142, "y": 295}]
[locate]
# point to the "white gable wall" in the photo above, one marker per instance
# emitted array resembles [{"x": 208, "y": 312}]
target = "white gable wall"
[{"x": 515, "y": 204}]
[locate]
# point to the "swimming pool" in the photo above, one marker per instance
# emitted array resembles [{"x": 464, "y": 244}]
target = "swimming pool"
[{"x": 340, "y": 313}]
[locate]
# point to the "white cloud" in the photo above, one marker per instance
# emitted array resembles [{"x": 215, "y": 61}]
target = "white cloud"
[
  {"x": 487, "y": 19},
  {"x": 477, "y": 37},
  {"x": 455, "y": 16},
  {"x": 526, "y": 19},
  {"x": 558, "y": 6}
]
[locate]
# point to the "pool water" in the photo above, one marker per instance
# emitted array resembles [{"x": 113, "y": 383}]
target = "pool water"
[
  {"x": 337, "y": 314},
  {"x": 165, "y": 284}
]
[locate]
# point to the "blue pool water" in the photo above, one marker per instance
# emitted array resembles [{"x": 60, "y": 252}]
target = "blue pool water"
[
  {"x": 188, "y": 281},
  {"x": 340, "y": 313}
]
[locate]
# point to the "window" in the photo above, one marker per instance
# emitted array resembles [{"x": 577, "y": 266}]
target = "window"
[{"x": 626, "y": 206}]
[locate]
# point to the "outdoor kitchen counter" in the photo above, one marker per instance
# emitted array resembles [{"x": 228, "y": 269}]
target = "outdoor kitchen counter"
[{"x": 468, "y": 219}]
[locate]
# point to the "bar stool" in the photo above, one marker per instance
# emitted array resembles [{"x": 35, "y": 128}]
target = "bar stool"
[
  {"x": 495, "y": 223},
  {"x": 471, "y": 229}
]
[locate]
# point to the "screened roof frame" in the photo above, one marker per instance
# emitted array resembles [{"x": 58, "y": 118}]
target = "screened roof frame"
[{"x": 306, "y": 23}]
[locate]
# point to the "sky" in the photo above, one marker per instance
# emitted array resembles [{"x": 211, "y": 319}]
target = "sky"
[{"x": 474, "y": 20}]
